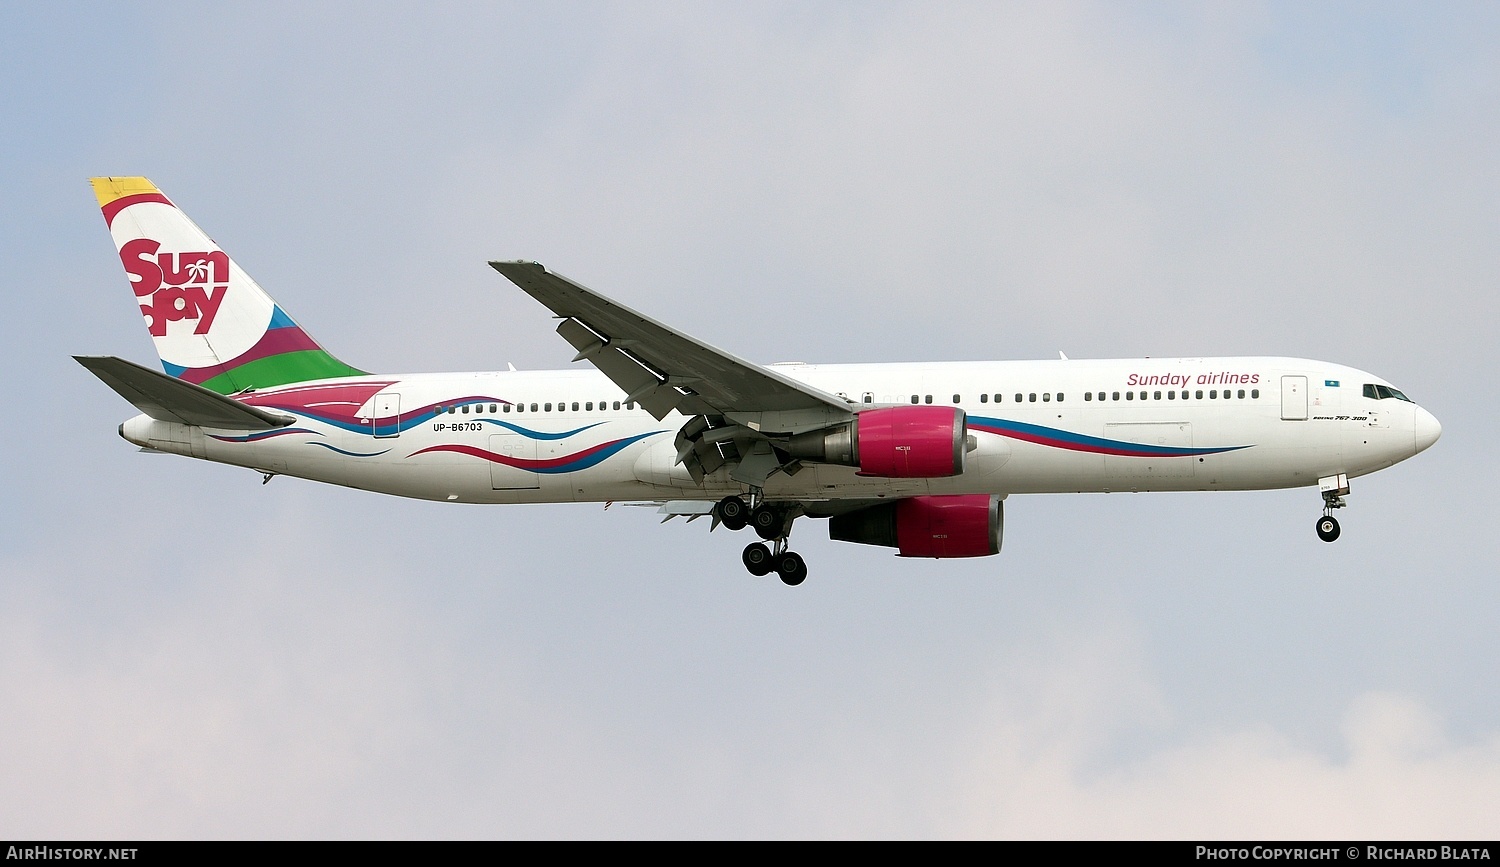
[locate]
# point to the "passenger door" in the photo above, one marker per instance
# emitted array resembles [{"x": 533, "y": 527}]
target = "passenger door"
[{"x": 1294, "y": 398}]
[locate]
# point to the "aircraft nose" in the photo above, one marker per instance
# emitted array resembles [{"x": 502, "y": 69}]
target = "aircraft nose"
[{"x": 1425, "y": 429}]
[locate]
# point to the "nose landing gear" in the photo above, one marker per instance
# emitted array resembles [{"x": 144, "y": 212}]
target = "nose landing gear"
[
  {"x": 1333, "y": 489},
  {"x": 773, "y": 524}
]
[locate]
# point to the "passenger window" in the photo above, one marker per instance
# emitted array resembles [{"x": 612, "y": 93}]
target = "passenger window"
[
  {"x": 914, "y": 399},
  {"x": 1130, "y": 395},
  {"x": 506, "y": 406},
  {"x": 452, "y": 410},
  {"x": 630, "y": 405},
  {"x": 1198, "y": 395},
  {"x": 984, "y": 398},
  {"x": 1115, "y": 396},
  {"x": 1254, "y": 393},
  {"x": 1156, "y": 395},
  {"x": 1031, "y": 398},
  {"x": 868, "y": 397},
  {"x": 1059, "y": 397},
  {"x": 957, "y": 399},
  {"x": 1172, "y": 395},
  {"x": 588, "y": 407},
  {"x": 575, "y": 406},
  {"x": 997, "y": 398},
  {"x": 617, "y": 405},
  {"x": 928, "y": 398},
  {"x": 1088, "y": 395},
  {"x": 1046, "y": 397},
  {"x": 1242, "y": 394},
  {"x": 1213, "y": 395}
]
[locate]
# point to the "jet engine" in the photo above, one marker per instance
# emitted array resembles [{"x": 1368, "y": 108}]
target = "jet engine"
[
  {"x": 959, "y": 525},
  {"x": 895, "y": 442}
]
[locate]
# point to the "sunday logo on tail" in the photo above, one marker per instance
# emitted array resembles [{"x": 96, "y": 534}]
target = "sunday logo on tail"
[{"x": 211, "y": 322}]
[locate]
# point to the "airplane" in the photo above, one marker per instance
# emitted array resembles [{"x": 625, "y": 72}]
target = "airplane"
[{"x": 919, "y": 457}]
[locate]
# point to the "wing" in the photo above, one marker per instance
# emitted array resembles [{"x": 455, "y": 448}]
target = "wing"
[{"x": 664, "y": 369}]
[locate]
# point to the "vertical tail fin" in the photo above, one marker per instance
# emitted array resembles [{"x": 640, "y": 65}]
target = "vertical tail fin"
[{"x": 211, "y": 323}]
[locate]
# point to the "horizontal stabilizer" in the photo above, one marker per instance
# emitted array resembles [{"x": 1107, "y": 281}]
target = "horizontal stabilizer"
[{"x": 166, "y": 398}]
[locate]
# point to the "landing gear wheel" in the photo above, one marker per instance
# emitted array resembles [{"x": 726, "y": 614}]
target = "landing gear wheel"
[
  {"x": 757, "y": 559},
  {"x": 767, "y": 522},
  {"x": 732, "y": 513},
  {"x": 1328, "y": 528},
  {"x": 791, "y": 569}
]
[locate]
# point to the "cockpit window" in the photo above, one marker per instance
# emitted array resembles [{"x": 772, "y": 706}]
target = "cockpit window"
[{"x": 1381, "y": 392}]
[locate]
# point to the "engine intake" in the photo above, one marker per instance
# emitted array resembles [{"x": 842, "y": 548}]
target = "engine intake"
[
  {"x": 896, "y": 442},
  {"x": 959, "y": 525}
]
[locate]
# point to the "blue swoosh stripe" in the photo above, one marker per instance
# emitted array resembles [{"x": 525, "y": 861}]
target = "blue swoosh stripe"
[
  {"x": 597, "y": 457},
  {"x": 350, "y": 454}
]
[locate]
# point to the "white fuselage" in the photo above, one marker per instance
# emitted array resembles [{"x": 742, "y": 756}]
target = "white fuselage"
[{"x": 1175, "y": 424}]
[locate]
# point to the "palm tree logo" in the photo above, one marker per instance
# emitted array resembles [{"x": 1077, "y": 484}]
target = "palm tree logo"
[{"x": 198, "y": 271}]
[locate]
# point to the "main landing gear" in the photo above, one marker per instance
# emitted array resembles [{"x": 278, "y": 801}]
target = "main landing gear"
[
  {"x": 1334, "y": 488},
  {"x": 773, "y": 524}
]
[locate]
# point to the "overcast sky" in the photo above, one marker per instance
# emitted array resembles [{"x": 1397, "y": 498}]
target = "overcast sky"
[{"x": 187, "y": 653}]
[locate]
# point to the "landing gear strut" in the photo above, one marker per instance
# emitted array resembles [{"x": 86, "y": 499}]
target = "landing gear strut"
[{"x": 773, "y": 524}]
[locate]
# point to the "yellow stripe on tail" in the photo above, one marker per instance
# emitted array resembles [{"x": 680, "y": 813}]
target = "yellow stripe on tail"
[{"x": 112, "y": 189}]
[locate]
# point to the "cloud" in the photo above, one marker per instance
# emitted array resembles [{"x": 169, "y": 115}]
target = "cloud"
[
  {"x": 339, "y": 716},
  {"x": 1401, "y": 778}
]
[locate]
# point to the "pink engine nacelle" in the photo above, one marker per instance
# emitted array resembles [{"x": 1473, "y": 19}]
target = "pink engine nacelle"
[
  {"x": 910, "y": 442},
  {"x": 894, "y": 442},
  {"x": 959, "y": 525}
]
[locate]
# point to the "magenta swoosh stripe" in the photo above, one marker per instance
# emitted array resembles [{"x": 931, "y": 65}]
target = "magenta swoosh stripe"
[{"x": 518, "y": 463}]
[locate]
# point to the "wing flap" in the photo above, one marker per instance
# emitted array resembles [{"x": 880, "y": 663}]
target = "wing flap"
[
  {"x": 639, "y": 382},
  {"x": 167, "y": 398}
]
